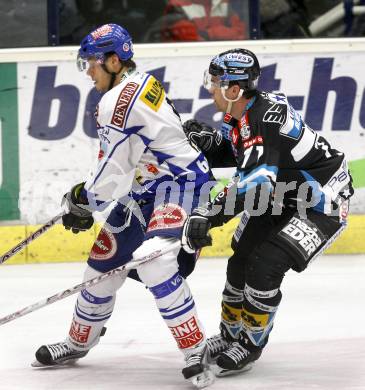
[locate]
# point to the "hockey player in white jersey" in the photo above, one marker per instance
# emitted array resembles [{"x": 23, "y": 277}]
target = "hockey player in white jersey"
[{"x": 141, "y": 137}]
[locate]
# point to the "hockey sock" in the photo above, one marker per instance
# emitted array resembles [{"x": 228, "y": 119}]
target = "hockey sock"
[
  {"x": 172, "y": 294},
  {"x": 258, "y": 313},
  {"x": 93, "y": 308},
  {"x": 231, "y": 321}
]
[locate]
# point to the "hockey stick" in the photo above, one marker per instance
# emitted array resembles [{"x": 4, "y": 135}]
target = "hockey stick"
[
  {"x": 88, "y": 283},
  {"x": 31, "y": 238}
]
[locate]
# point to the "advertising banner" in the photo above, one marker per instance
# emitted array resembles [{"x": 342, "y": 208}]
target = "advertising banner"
[
  {"x": 9, "y": 143},
  {"x": 48, "y": 136}
]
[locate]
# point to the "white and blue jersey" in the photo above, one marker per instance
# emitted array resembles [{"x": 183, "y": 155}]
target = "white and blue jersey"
[
  {"x": 142, "y": 144},
  {"x": 148, "y": 166}
]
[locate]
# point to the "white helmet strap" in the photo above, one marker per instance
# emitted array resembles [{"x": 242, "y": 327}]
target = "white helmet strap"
[{"x": 230, "y": 101}]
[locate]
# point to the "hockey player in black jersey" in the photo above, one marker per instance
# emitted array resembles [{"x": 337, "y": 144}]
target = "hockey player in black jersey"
[{"x": 292, "y": 188}]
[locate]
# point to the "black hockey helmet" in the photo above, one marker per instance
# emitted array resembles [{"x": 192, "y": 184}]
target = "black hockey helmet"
[{"x": 236, "y": 65}]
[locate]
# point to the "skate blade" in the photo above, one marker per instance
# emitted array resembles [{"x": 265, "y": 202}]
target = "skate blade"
[
  {"x": 220, "y": 372},
  {"x": 204, "y": 379},
  {"x": 37, "y": 364}
]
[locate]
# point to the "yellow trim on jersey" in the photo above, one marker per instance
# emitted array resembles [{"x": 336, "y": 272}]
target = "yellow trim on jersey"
[{"x": 153, "y": 94}]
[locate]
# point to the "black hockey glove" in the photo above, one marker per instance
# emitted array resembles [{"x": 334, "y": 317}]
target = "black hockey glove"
[
  {"x": 77, "y": 218},
  {"x": 216, "y": 213},
  {"x": 206, "y": 138},
  {"x": 196, "y": 230}
]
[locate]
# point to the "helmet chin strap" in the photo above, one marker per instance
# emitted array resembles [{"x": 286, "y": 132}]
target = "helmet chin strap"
[
  {"x": 113, "y": 75},
  {"x": 230, "y": 101}
]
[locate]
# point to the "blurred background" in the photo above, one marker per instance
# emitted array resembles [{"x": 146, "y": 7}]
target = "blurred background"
[{"x": 29, "y": 23}]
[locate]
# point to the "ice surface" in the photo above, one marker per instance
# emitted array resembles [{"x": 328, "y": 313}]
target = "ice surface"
[{"x": 318, "y": 341}]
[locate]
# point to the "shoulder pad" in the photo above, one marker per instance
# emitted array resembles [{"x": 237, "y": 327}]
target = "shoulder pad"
[{"x": 277, "y": 98}]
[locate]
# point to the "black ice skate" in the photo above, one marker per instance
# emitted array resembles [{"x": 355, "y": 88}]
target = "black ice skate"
[
  {"x": 239, "y": 357},
  {"x": 57, "y": 354},
  {"x": 216, "y": 345},
  {"x": 197, "y": 369},
  {"x": 219, "y": 343}
]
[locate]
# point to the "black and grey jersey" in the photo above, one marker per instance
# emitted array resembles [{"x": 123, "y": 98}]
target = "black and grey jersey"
[{"x": 272, "y": 146}]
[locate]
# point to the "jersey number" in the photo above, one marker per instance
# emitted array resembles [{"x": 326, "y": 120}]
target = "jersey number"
[
  {"x": 203, "y": 165},
  {"x": 248, "y": 153}
]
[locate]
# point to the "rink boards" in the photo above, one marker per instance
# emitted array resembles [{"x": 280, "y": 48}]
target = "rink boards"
[{"x": 60, "y": 245}]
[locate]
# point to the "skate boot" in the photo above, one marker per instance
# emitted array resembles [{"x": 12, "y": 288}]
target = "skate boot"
[
  {"x": 220, "y": 342},
  {"x": 239, "y": 357},
  {"x": 197, "y": 369},
  {"x": 56, "y": 354},
  {"x": 216, "y": 345}
]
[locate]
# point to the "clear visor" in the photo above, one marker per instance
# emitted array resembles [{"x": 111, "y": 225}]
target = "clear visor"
[
  {"x": 211, "y": 81},
  {"x": 84, "y": 64}
]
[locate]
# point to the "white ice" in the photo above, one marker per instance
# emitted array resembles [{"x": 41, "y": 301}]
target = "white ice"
[{"x": 318, "y": 341}]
